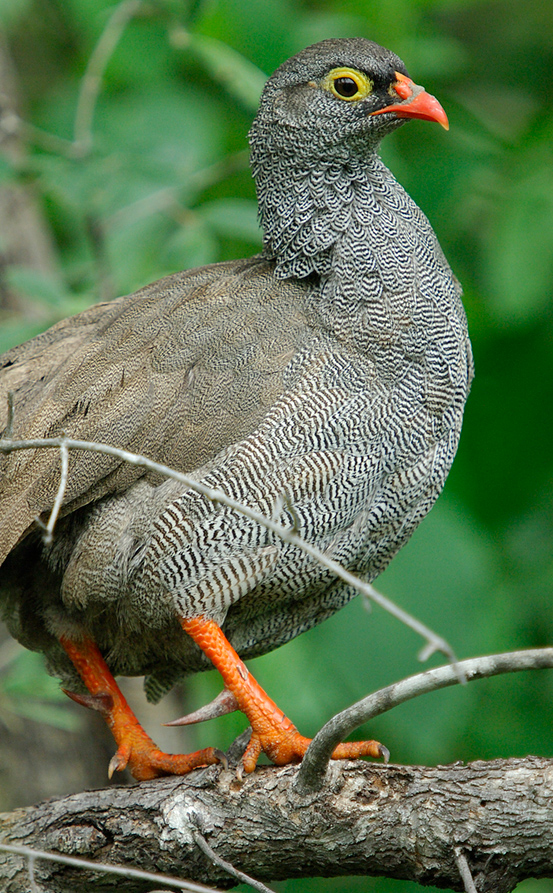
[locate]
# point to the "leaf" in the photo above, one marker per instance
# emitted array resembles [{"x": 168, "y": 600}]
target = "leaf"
[
  {"x": 13, "y": 10},
  {"x": 519, "y": 268},
  {"x": 37, "y": 285},
  {"x": 240, "y": 77}
]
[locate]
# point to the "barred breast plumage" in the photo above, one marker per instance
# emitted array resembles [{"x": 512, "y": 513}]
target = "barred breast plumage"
[{"x": 322, "y": 383}]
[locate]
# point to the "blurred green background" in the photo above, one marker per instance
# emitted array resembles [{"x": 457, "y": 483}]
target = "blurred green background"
[{"x": 131, "y": 150}]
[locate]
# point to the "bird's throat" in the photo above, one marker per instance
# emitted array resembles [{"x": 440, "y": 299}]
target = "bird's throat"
[{"x": 368, "y": 243}]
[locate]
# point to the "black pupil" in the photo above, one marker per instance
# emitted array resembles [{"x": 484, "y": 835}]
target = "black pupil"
[{"x": 345, "y": 86}]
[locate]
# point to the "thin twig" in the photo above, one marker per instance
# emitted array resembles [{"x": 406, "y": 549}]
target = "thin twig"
[
  {"x": 202, "y": 843},
  {"x": 92, "y": 79},
  {"x": 57, "y": 145},
  {"x": 310, "y": 777},
  {"x": 89, "y": 91},
  {"x": 32, "y": 880},
  {"x": 434, "y": 641},
  {"x": 161, "y": 200},
  {"x": 49, "y": 532},
  {"x": 121, "y": 870},
  {"x": 464, "y": 870},
  {"x": 219, "y": 170}
]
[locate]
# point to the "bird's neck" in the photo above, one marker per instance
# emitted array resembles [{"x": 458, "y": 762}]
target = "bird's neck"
[
  {"x": 366, "y": 240},
  {"x": 306, "y": 213}
]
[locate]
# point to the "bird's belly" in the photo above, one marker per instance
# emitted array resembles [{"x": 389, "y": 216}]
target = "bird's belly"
[
  {"x": 346, "y": 486},
  {"x": 349, "y": 464}
]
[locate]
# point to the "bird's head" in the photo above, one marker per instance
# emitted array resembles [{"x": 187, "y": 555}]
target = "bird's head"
[
  {"x": 314, "y": 141},
  {"x": 334, "y": 94}
]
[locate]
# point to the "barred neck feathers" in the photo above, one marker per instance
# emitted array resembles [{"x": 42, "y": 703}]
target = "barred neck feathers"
[
  {"x": 331, "y": 210},
  {"x": 315, "y": 219},
  {"x": 309, "y": 195},
  {"x": 353, "y": 225}
]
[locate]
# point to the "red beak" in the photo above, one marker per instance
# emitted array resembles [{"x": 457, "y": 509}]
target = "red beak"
[{"x": 415, "y": 102}]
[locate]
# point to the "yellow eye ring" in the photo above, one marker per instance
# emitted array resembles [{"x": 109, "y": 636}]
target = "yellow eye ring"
[{"x": 348, "y": 84}]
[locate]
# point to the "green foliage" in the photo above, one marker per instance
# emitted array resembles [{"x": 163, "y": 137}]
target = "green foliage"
[
  {"x": 27, "y": 691},
  {"x": 158, "y": 181}
]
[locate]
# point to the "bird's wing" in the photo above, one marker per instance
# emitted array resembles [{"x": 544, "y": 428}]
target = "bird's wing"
[{"x": 177, "y": 371}]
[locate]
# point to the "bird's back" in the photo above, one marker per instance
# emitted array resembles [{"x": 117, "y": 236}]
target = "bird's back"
[{"x": 177, "y": 371}]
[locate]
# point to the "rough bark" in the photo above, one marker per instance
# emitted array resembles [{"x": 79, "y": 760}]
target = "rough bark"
[{"x": 395, "y": 821}]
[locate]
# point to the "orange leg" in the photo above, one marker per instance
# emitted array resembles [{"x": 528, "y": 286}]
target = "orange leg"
[
  {"x": 135, "y": 749},
  {"x": 272, "y": 731}
]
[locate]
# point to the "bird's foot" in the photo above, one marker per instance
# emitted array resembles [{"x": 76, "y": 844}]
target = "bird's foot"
[
  {"x": 272, "y": 731},
  {"x": 135, "y": 749},
  {"x": 284, "y": 745},
  {"x": 145, "y": 761}
]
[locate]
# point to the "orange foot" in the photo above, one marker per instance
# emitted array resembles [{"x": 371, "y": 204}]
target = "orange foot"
[
  {"x": 135, "y": 749},
  {"x": 272, "y": 731}
]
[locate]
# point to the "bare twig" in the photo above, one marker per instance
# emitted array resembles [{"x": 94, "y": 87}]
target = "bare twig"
[
  {"x": 311, "y": 775},
  {"x": 49, "y": 532},
  {"x": 91, "y": 83},
  {"x": 92, "y": 79},
  {"x": 226, "y": 866},
  {"x": 32, "y": 855},
  {"x": 434, "y": 641},
  {"x": 165, "y": 199},
  {"x": 219, "y": 170},
  {"x": 464, "y": 870},
  {"x": 50, "y": 142},
  {"x": 32, "y": 881}
]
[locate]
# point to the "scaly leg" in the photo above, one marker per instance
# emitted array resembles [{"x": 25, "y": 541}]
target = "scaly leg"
[
  {"x": 135, "y": 749},
  {"x": 272, "y": 731}
]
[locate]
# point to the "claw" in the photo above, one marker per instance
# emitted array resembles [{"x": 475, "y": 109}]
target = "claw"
[
  {"x": 102, "y": 703},
  {"x": 272, "y": 731},
  {"x": 119, "y": 760},
  {"x": 224, "y": 703},
  {"x": 222, "y": 757}
]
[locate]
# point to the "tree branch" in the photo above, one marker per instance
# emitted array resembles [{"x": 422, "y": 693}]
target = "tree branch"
[
  {"x": 405, "y": 822},
  {"x": 312, "y": 771}
]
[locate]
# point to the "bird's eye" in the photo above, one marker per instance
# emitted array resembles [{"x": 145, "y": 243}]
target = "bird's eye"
[
  {"x": 346, "y": 87},
  {"x": 348, "y": 84}
]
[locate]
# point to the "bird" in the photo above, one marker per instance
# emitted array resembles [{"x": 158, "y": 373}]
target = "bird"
[{"x": 320, "y": 383}]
